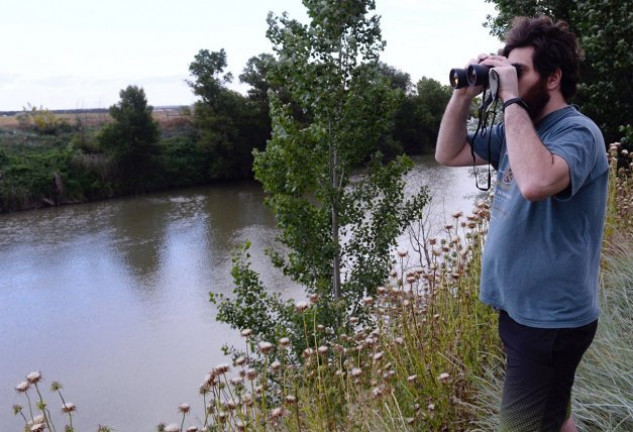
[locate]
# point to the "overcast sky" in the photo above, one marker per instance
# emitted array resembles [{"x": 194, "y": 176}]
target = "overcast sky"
[{"x": 70, "y": 54}]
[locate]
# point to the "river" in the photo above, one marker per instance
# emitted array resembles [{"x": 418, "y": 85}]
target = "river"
[{"x": 111, "y": 298}]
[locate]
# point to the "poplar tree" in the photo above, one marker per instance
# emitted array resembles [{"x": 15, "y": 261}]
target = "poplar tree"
[{"x": 339, "y": 204}]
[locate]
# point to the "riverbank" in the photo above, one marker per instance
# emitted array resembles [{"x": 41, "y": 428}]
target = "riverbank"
[
  {"x": 53, "y": 159},
  {"x": 603, "y": 390},
  {"x": 432, "y": 362}
]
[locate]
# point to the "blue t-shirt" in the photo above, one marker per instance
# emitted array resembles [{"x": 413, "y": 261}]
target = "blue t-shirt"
[{"x": 541, "y": 259}]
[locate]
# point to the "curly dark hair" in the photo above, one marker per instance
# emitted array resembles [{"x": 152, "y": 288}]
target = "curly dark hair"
[{"x": 555, "y": 46}]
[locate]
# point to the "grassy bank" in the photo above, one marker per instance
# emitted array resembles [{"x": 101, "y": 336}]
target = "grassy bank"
[{"x": 603, "y": 391}]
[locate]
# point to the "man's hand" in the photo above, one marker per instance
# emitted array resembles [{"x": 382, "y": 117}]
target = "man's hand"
[{"x": 508, "y": 78}]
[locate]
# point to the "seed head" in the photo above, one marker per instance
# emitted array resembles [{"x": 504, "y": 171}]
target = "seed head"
[
  {"x": 34, "y": 377},
  {"x": 184, "y": 408},
  {"x": 235, "y": 381},
  {"x": 276, "y": 365},
  {"x": 38, "y": 427},
  {"x": 251, "y": 374},
  {"x": 389, "y": 375},
  {"x": 22, "y": 387},
  {"x": 301, "y": 306},
  {"x": 377, "y": 392},
  {"x": 229, "y": 405},
  {"x": 210, "y": 380},
  {"x": 68, "y": 407},
  {"x": 172, "y": 428},
  {"x": 221, "y": 369},
  {"x": 356, "y": 372},
  {"x": 444, "y": 376},
  {"x": 277, "y": 412},
  {"x": 246, "y": 332},
  {"x": 265, "y": 347},
  {"x": 284, "y": 342}
]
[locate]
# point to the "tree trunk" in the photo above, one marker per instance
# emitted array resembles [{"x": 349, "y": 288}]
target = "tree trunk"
[{"x": 336, "y": 261}]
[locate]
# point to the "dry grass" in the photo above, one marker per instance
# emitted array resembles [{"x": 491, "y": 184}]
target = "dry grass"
[
  {"x": 164, "y": 116},
  {"x": 8, "y": 121}
]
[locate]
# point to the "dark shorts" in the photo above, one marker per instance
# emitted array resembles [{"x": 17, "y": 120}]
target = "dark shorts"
[{"x": 540, "y": 369}]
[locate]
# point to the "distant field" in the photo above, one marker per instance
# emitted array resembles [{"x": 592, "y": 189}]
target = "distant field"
[
  {"x": 8, "y": 121},
  {"x": 162, "y": 115}
]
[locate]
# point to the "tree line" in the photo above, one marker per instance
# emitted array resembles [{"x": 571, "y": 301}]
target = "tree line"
[
  {"x": 211, "y": 141},
  {"x": 214, "y": 140}
]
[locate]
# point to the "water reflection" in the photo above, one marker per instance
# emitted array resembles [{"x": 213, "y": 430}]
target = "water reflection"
[{"x": 111, "y": 298}]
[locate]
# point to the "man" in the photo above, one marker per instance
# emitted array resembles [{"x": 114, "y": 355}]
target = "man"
[{"x": 541, "y": 259}]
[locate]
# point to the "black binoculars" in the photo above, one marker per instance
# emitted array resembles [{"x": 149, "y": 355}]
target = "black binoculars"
[{"x": 473, "y": 75}]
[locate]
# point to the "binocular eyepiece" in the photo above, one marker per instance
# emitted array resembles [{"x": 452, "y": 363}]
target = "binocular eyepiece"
[{"x": 473, "y": 75}]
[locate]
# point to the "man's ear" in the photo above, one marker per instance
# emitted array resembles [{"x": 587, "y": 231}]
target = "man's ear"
[{"x": 553, "y": 81}]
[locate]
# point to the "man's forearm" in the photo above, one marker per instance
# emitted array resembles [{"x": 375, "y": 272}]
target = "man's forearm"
[
  {"x": 537, "y": 171},
  {"x": 451, "y": 147}
]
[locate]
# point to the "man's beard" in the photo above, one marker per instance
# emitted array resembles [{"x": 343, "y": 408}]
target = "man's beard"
[{"x": 536, "y": 98}]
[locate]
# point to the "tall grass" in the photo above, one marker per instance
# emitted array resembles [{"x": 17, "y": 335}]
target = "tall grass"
[
  {"x": 604, "y": 385},
  {"x": 602, "y": 399}
]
